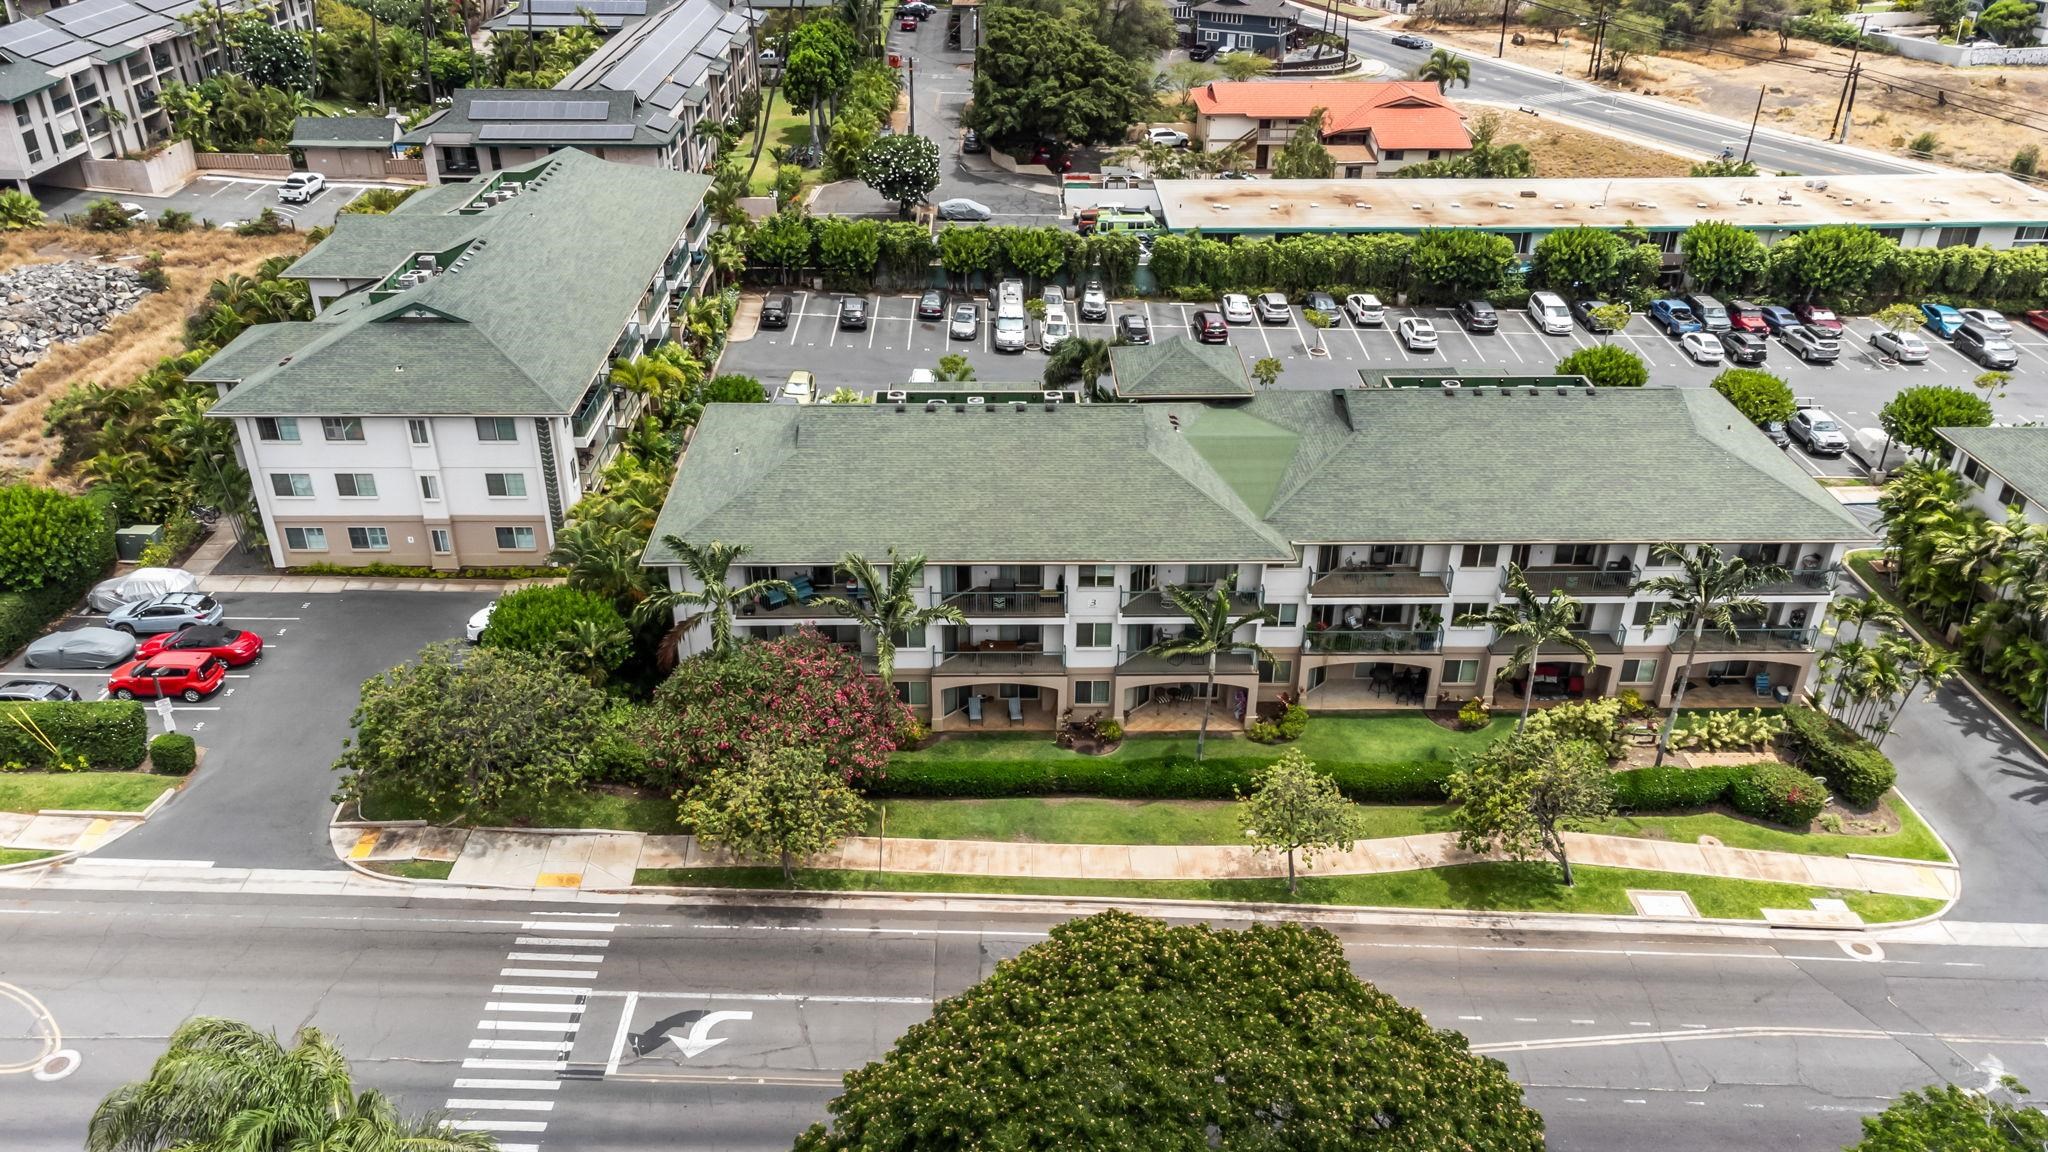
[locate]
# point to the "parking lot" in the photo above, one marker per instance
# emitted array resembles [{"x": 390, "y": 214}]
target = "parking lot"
[
  {"x": 219, "y": 199},
  {"x": 895, "y": 342}
]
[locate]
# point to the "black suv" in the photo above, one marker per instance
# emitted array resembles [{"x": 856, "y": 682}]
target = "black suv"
[
  {"x": 1743, "y": 347},
  {"x": 1133, "y": 328},
  {"x": 775, "y": 312},
  {"x": 1478, "y": 316},
  {"x": 853, "y": 313}
]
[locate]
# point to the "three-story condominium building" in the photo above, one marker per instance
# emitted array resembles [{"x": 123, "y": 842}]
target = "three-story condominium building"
[
  {"x": 1367, "y": 523},
  {"x": 452, "y": 398}
]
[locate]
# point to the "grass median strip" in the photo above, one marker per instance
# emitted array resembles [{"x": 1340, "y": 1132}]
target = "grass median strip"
[
  {"x": 81, "y": 791},
  {"x": 1468, "y": 887},
  {"x": 21, "y": 855},
  {"x": 413, "y": 869},
  {"x": 566, "y": 808}
]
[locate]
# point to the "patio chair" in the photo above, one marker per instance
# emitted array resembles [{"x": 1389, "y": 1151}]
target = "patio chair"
[
  {"x": 974, "y": 709},
  {"x": 804, "y": 591},
  {"x": 776, "y": 597},
  {"x": 1016, "y": 709}
]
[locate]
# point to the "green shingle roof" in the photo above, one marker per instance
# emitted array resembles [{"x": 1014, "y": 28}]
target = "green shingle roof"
[
  {"x": 344, "y": 132},
  {"x": 520, "y": 324},
  {"x": 2018, "y": 455},
  {"x": 1176, "y": 368}
]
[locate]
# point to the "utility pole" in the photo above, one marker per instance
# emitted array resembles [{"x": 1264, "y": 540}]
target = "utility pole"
[
  {"x": 1599, "y": 39},
  {"x": 1754, "y": 117},
  {"x": 910, "y": 66},
  {"x": 1848, "y": 88},
  {"x": 1849, "y": 104},
  {"x": 1501, "y": 49},
  {"x": 377, "y": 57}
]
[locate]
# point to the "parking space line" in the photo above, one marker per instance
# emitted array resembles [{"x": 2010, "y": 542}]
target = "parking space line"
[
  {"x": 803, "y": 303},
  {"x": 1358, "y": 334},
  {"x": 875, "y": 312}
]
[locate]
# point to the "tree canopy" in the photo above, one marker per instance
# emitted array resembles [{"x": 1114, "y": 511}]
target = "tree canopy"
[
  {"x": 1122, "y": 1032},
  {"x": 1304, "y": 157},
  {"x": 1912, "y": 416},
  {"x": 1040, "y": 76},
  {"x": 1606, "y": 366},
  {"x": 1758, "y": 395},
  {"x": 1721, "y": 258},
  {"x": 901, "y": 167},
  {"x": 1830, "y": 261},
  {"x": 1299, "y": 811},
  {"x": 1954, "y": 1120},
  {"x": 1580, "y": 261},
  {"x": 1456, "y": 263},
  {"x": 780, "y": 804},
  {"x": 49, "y": 538},
  {"x": 1522, "y": 793}
]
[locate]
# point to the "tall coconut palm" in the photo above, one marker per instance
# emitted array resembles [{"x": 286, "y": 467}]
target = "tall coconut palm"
[
  {"x": 1709, "y": 589},
  {"x": 713, "y": 600},
  {"x": 603, "y": 557},
  {"x": 889, "y": 608},
  {"x": 1444, "y": 68},
  {"x": 655, "y": 379},
  {"x": 1858, "y": 611},
  {"x": 1533, "y": 625},
  {"x": 223, "y": 1085},
  {"x": 1931, "y": 666},
  {"x": 1973, "y": 551},
  {"x": 1211, "y": 632}
]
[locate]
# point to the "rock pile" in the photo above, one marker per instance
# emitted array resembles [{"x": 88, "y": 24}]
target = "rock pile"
[{"x": 45, "y": 304}]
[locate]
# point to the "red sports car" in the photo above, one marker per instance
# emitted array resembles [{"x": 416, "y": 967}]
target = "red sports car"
[
  {"x": 192, "y": 675},
  {"x": 230, "y": 644},
  {"x": 2039, "y": 319}
]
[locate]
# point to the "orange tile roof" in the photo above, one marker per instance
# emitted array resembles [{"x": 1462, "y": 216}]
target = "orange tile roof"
[{"x": 1399, "y": 113}]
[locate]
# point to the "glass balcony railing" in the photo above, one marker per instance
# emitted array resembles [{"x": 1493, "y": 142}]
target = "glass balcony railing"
[
  {"x": 1579, "y": 580},
  {"x": 1753, "y": 640},
  {"x": 1355, "y": 583},
  {"x": 1331, "y": 640},
  {"x": 1603, "y": 640},
  {"x": 591, "y": 408}
]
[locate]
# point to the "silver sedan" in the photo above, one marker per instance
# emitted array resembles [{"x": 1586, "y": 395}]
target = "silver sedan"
[
  {"x": 961, "y": 208},
  {"x": 1905, "y": 347}
]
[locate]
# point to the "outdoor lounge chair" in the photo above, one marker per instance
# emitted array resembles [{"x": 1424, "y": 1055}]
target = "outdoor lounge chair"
[
  {"x": 776, "y": 597},
  {"x": 974, "y": 709},
  {"x": 804, "y": 591},
  {"x": 1016, "y": 710}
]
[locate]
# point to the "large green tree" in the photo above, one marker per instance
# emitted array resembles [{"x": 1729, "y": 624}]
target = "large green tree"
[
  {"x": 1211, "y": 632},
  {"x": 50, "y": 538},
  {"x": 459, "y": 732},
  {"x": 1581, "y": 261},
  {"x": 1721, "y": 258},
  {"x": 223, "y": 1086},
  {"x": 1297, "y": 810},
  {"x": 1448, "y": 264},
  {"x": 1303, "y": 157},
  {"x": 1758, "y": 395},
  {"x": 1946, "y": 1118},
  {"x": 1829, "y": 262},
  {"x": 781, "y": 804},
  {"x": 1523, "y": 792},
  {"x": 1121, "y": 1032},
  {"x": 1709, "y": 590},
  {"x": 1606, "y": 366},
  {"x": 901, "y": 167},
  {"x": 1039, "y": 76},
  {"x": 1912, "y": 416},
  {"x": 2010, "y": 22}
]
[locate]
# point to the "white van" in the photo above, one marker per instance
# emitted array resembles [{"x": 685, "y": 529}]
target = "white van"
[
  {"x": 1547, "y": 311},
  {"x": 1011, "y": 331}
]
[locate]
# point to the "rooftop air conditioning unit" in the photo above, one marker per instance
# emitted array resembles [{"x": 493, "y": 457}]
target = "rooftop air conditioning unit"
[
  {"x": 934, "y": 405},
  {"x": 1527, "y": 193},
  {"x": 414, "y": 278},
  {"x": 511, "y": 187},
  {"x": 428, "y": 262},
  {"x": 896, "y": 397},
  {"x": 1453, "y": 385},
  {"x": 977, "y": 399},
  {"x": 1051, "y": 397}
]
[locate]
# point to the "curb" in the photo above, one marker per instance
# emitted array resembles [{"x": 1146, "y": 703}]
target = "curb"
[{"x": 41, "y": 862}]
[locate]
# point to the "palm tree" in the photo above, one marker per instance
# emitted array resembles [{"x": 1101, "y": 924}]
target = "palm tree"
[
  {"x": 889, "y": 607},
  {"x": 1859, "y": 611},
  {"x": 1838, "y": 664},
  {"x": 1445, "y": 68},
  {"x": 1709, "y": 588},
  {"x": 222, "y": 1084},
  {"x": 593, "y": 649},
  {"x": 659, "y": 381},
  {"x": 1973, "y": 551},
  {"x": 603, "y": 557},
  {"x": 712, "y": 601},
  {"x": 115, "y": 118},
  {"x": 1533, "y": 625},
  {"x": 1932, "y": 666},
  {"x": 1081, "y": 358},
  {"x": 1211, "y": 632}
]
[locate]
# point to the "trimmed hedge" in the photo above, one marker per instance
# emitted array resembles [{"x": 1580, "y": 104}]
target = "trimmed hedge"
[
  {"x": 1168, "y": 777},
  {"x": 173, "y": 754},
  {"x": 1670, "y": 789},
  {"x": 111, "y": 735},
  {"x": 1779, "y": 793},
  {"x": 1851, "y": 765},
  {"x": 23, "y": 615}
]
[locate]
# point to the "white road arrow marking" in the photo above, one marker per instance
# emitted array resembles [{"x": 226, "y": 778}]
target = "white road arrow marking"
[{"x": 699, "y": 1040}]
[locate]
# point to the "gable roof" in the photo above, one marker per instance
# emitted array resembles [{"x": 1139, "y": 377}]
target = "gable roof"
[
  {"x": 2018, "y": 455},
  {"x": 529, "y": 303},
  {"x": 1269, "y": 9},
  {"x": 1400, "y": 114},
  {"x": 36, "y": 51},
  {"x": 1177, "y": 368},
  {"x": 538, "y": 117},
  {"x": 344, "y": 132},
  {"x": 663, "y": 59}
]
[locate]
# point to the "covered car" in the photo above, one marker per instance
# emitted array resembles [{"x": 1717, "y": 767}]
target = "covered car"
[
  {"x": 141, "y": 584},
  {"x": 82, "y": 648}
]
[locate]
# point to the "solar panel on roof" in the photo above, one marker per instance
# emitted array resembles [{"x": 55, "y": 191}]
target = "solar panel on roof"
[
  {"x": 595, "y": 7},
  {"x": 553, "y": 133},
  {"x": 109, "y": 17},
  {"x": 539, "y": 110}
]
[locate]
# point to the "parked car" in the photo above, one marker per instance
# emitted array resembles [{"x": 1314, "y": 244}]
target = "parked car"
[
  {"x": 970, "y": 142},
  {"x": 800, "y": 388},
  {"x": 1055, "y": 328},
  {"x": 1322, "y": 302},
  {"x": 966, "y": 323},
  {"x": 140, "y": 584},
  {"x": 906, "y": 23},
  {"x": 1274, "y": 309},
  {"x": 1094, "y": 302},
  {"x": 1775, "y": 430},
  {"x": 1819, "y": 316},
  {"x": 481, "y": 618},
  {"x": 1477, "y": 315},
  {"x": 1989, "y": 319},
  {"x": 166, "y": 613},
  {"x": 1237, "y": 309},
  {"x": 1702, "y": 347},
  {"x": 853, "y": 313},
  {"x": 234, "y": 645},
  {"x": 931, "y": 305},
  {"x": 1742, "y": 347},
  {"x": 1210, "y": 327},
  {"x": 1586, "y": 313},
  {"x": 1818, "y": 431},
  {"x": 961, "y": 208},
  {"x": 81, "y": 648},
  {"x": 1233, "y": 174},
  {"x": 301, "y": 187},
  {"x": 1201, "y": 52},
  {"x": 2038, "y": 318},
  {"x": 1417, "y": 334},
  {"x": 917, "y": 8},
  {"x": 1673, "y": 317},
  {"x": 1905, "y": 347},
  {"x": 1365, "y": 310},
  {"x": 1778, "y": 319},
  {"x": 1942, "y": 320},
  {"x": 1810, "y": 344},
  {"x": 1171, "y": 137},
  {"x": 1410, "y": 40},
  {"x": 1747, "y": 317},
  {"x": 1548, "y": 313},
  {"x": 1989, "y": 349},
  {"x": 1134, "y": 328},
  {"x": 1050, "y": 155},
  {"x": 192, "y": 676},
  {"x": 775, "y": 311},
  {"x": 36, "y": 692},
  {"x": 1713, "y": 315}
]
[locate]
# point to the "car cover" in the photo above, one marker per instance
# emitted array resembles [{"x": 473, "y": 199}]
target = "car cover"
[
  {"x": 140, "y": 584},
  {"x": 81, "y": 648}
]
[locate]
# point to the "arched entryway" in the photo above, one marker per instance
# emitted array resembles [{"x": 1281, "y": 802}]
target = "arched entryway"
[{"x": 1015, "y": 703}]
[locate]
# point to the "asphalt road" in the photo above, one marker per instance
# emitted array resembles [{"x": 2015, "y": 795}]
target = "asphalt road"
[
  {"x": 215, "y": 200},
  {"x": 1663, "y": 121},
  {"x": 1623, "y": 1042}
]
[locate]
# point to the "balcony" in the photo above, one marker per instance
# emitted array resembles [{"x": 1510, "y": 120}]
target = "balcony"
[
  {"x": 792, "y": 610},
  {"x": 1156, "y": 603},
  {"x": 1144, "y": 663},
  {"x": 590, "y": 412},
  {"x": 1335, "y": 640},
  {"x": 148, "y": 99},
  {"x": 1604, "y": 641},
  {"x": 1578, "y": 580},
  {"x": 1747, "y": 640},
  {"x": 1802, "y": 583},
  {"x": 1361, "y": 583},
  {"x": 1016, "y": 661},
  {"x": 1009, "y": 602}
]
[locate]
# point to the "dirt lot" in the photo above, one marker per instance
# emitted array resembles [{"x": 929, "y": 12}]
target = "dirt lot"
[
  {"x": 1803, "y": 101},
  {"x": 133, "y": 342},
  {"x": 1558, "y": 150}
]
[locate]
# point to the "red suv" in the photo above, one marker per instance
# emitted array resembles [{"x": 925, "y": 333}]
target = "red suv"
[
  {"x": 1210, "y": 328},
  {"x": 1820, "y": 316},
  {"x": 191, "y": 675},
  {"x": 1744, "y": 316}
]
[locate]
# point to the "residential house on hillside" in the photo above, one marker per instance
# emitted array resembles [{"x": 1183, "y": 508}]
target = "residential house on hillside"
[
  {"x": 345, "y": 147},
  {"x": 2009, "y": 466},
  {"x": 1370, "y": 128},
  {"x": 1265, "y": 27},
  {"x": 1317, "y": 507},
  {"x": 451, "y": 399}
]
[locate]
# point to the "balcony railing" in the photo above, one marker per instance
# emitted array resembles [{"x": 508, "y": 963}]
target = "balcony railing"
[
  {"x": 1356, "y": 583},
  {"x": 1009, "y": 602},
  {"x": 1153, "y": 602},
  {"x": 1753, "y": 640},
  {"x": 1141, "y": 662},
  {"x": 1336, "y": 640},
  {"x": 995, "y": 661},
  {"x": 1578, "y": 580},
  {"x": 1605, "y": 641},
  {"x": 591, "y": 409},
  {"x": 1818, "y": 580}
]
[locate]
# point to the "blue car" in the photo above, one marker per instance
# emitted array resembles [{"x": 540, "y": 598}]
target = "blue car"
[
  {"x": 1942, "y": 320},
  {"x": 1778, "y": 319},
  {"x": 1675, "y": 317}
]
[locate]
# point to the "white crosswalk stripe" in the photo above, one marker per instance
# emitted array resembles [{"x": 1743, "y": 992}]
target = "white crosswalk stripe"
[
  {"x": 502, "y": 1085},
  {"x": 559, "y": 957},
  {"x": 529, "y": 1025},
  {"x": 465, "y": 1105},
  {"x": 552, "y": 973}
]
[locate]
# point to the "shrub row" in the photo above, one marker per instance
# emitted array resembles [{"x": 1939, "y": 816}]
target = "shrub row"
[
  {"x": 1767, "y": 790},
  {"x": 23, "y": 614},
  {"x": 173, "y": 754},
  {"x": 1779, "y": 793},
  {"x": 1168, "y": 777},
  {"x": 1851, "y": 765},
  {"x": 111, "y": 735}
]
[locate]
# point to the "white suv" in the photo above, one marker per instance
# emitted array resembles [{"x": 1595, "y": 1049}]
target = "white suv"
[
  {"x": 301, "y": 187},
  {"x": 1548, "y": 312}
]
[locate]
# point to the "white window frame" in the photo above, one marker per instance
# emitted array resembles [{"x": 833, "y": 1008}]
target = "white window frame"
[
  {"x": 497, "y": 425},
  {"x": 1085, "y": 635},
  {"x": 440, "y": 540},
  {"x": 306, "y": 538},
  {"x": 343, "y": 481},
  {"x": 329, "y": 425},
  {"x": 1091, "y": 691},
  {"x": 300, "y": 485},
  {"x": 283, "y": 429},
  {"x": 506, "y": 481},
  {"x": 533, "y": 538},
  {"x": 416, "y": 431},
  {"x": 1455, "y": 672},
  {"x": 370, "y": 534},
  {"x": 430, "y": 488},
  {"x": 1642, "y": 667}
]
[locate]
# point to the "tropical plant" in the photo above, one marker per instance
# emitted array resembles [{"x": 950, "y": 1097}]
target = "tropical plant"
[
  {"x": 1445, "y": 68},
  {"x": 1606, "y": 366},
  {"x": 886, "y": 606},
  {"x": 1532, "y": 625},
  {"x": 1757, "y": 394},
  {"x": 901, "y": 167},
  {"x": 1304, "y": 157},
  {"x": 1708, "y": 590},
  {"x": 1947, "y": 1116},
  {"x": 781, "y": 804},
  {"x": 1913, "y": 416},
  {"x": 19, "y": 210},
  {"x": 1241, "y": 66},
  {"x": 1932, "y": 666},
  {"x": 713, "y": 599},
  {"x": 1299, "y": 811},
  {"x": 1211, "y": 631},
  {"x": 1266, "y": 370},
  {"x": 1856, "y": 611},
  {"x": 1078, "y": 359},
  {"x": 1523, "y": 792}
]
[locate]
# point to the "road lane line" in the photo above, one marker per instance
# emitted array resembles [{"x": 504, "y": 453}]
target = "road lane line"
[
  {"x": 536, "y": 990},
  {"x": 519, "y": 1045},
  {"x": 474, "y": 1105},
  {"x": 769, "y": 997},
  {"x": 552, "y": 974},
  {"x": 544, "y": 926},
  {"x": 560, "y": 941},
  {"x": 587, "y": 915},
  {"x": 611, "y": 1064},
  {"x": 558, "y": 957},
  {"x": 527, "y": 1006},
  {"x": 497, "y": 1085},
  {"x": 528, "y": 1025},
  {"x": 499, "y": 1125},
  {"x": 516, "y": 1065}
]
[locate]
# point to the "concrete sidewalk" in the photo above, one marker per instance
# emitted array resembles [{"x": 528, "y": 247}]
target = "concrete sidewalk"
[{"x": 208, "y": 556}]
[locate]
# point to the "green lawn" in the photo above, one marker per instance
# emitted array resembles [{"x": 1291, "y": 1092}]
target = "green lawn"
[
  {"x": 21, "y": 855},
  {"x": 413, "y": 869},
  {"x": 1478, "y": 887},
  {"x": 1913, "y": 841},
  {"x": 90, "y": 791},
  {"x": 1388, "y": 738},
  {"x": 787, "y": 128},
  {"x": 576, "y": 809}
]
